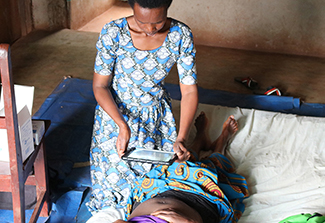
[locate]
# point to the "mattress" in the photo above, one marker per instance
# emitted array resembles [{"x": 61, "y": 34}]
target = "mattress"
[{"x": 282, "y": 157}]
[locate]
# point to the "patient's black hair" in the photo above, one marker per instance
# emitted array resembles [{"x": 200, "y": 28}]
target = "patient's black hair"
[{"x": 151, "y": 3}]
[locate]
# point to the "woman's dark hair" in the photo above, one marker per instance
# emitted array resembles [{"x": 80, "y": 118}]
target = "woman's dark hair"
[{"x": 151, "y": 4}]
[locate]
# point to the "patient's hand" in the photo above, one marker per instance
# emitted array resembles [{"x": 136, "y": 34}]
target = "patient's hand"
[
  {"x": 182, "y": 153},
  {"x": 119, "y": 221}
]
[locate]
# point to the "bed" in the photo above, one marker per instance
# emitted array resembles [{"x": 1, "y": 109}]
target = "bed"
[{"x": 282, "y": 157}]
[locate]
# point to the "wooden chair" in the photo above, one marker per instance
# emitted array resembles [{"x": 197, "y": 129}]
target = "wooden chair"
[{"x": 34, "y": 170}]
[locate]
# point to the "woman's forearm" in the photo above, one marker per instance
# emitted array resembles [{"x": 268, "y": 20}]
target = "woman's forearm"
[
  {"x": 189, "y": 103},
  {"x": 105, "y": 99}
]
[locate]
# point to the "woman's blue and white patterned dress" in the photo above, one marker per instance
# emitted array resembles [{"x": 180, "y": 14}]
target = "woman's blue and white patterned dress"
[{"x": 138, "y": 89}]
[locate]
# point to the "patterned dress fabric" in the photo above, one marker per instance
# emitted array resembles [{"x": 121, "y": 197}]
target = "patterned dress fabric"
[
  {"x": 213, "y": 178},
  {"x": 138, "y": 89}
]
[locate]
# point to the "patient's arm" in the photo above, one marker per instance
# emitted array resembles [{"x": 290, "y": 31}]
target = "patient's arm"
[{"x": 119, "y": 221}]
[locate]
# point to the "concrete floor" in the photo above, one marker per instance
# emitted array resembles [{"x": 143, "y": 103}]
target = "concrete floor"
[{"x": 43, "y": 58}]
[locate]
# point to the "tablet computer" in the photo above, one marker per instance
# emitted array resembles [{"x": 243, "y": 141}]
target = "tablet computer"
[{"x": 150, "y": 156}]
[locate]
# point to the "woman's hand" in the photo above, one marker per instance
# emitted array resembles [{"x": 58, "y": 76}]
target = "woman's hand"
[
  {"x": 182, "y": 153},
  {"x": 123, "y": 139}
]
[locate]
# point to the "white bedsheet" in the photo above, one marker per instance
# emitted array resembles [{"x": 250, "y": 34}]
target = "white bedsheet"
[{"x": 282, "y": 157}]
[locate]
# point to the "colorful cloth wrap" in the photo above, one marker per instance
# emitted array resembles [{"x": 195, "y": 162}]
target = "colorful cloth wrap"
[
  {"x": 147, "y": 219},
  {"x": 213, "y": 178}
]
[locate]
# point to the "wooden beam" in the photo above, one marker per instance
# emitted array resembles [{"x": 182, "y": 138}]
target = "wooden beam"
[
  {"x": 16, "y": 165},
  {"x": 2, "y": 123}
]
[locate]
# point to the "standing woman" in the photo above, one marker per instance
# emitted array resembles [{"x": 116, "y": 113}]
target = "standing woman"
[{"x": 135, "y": 55}]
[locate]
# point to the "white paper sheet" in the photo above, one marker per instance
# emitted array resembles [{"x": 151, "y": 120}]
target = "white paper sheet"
[{"x": 24, "y": 96}]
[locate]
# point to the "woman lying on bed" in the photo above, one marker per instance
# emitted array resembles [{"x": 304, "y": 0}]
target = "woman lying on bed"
[{"x": 205, "y": 191}]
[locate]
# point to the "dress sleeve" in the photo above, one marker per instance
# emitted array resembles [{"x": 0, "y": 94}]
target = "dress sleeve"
[
  {"x": 106, "y": 45},
  {"x": 186, "y": 62}
]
